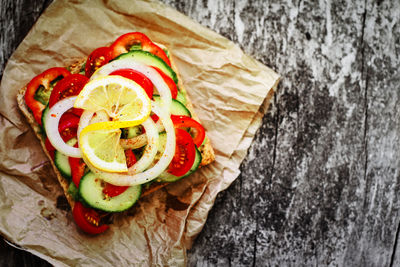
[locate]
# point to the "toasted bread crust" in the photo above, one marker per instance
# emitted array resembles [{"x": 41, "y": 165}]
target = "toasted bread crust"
[
  {"x": 36, "y": 128},
  {"x": 206, "y": 149}
]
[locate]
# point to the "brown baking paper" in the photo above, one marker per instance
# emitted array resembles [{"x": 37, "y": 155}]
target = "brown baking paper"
[{"x": 227, "y": 89}]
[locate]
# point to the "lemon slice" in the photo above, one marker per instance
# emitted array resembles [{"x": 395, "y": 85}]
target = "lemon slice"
[
  {"x": 126, "y": 103},
  {"x": 123, "y": 100},
  {"x": 102, "y": 149}
]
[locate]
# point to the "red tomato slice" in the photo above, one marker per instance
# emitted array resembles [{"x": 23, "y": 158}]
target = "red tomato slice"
[
  {"x": 114, "y": 190},
  {"x": 185, "y": 121},
  {"x": 50, "y": 148},
  {"x": 154, "y": 117},
  {"x": 44, "y": 79},
  {"x": 130, "y": 158},
  {"x": 124, "y": 43},
  {"x": 69, "y": 86},
  {"x": 77, "y": 169},
  {"x": 88, "y": 219},
  {"x": 171, "y": 84},
  {"x": 138, "y": 77},
  {"x": 111, "y": 190},
  {"x": 96, "y": 59},
  {"x": 68, "y": 126},
  {"x": 185, "y": 153}
]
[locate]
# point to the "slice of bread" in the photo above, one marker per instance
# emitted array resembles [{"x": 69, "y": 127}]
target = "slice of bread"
[{"x": 206, "y": 149}]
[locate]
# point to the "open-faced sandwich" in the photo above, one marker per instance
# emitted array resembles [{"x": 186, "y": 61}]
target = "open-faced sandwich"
[{"x": 116, "y": 126}]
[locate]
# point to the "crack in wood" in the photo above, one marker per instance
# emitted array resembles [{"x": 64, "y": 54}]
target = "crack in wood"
[
  {"x": 392, "y": 257},
  {"x": 364, "y": 75},
  {"x": 255, "y": 246},
  {"x": 275, "y": 140}
]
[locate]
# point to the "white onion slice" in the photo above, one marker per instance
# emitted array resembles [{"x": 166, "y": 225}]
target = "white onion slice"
[
  {"x": 134, "y": 143},
  {"x": 132, "y": 178},
  {"x": 152, "y": 74},
  {"x": 52, "y": 119},
  {"x": 84, "y": 121},
  {"x": 148, "y": 155},
  {"x": 140, "y": 140},
  {"x": 151, "y": 149},
  {"x": 89, "y": 117}
]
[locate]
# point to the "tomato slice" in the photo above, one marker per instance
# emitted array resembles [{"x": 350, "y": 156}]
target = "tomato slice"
[
  {"x": 68, "y": 126},
  {"x": 114, "y": 190},
  {"x": 44, "y": 79},
  {"x": 69, "y": 86},
  {"x": 171, "y": 84},
  {"x": 124, "y": 43},
  {"x": 77, "y": 169},
  {"x": 154, "y": 117},
  {"x": 50, "y": 148},
  {"x": 138, "y": 77},
  {"x": 96, "y": 59},
  {"x": 88, "y": 219},
  {"x": 111, "y": 190},
  {"x": 130, "y": 158},
  {"x": 196, "y": 127},
  {"x": 185, "y": 153}
]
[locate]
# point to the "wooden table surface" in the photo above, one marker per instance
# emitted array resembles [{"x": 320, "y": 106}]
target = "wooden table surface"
[{"x": 321, "y": 182}]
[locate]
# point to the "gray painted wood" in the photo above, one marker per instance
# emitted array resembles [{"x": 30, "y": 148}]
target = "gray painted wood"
[{"x": 320, "y": 183}]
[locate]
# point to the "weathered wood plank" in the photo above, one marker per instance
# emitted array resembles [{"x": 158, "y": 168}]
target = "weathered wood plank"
[
  {"x": 318, "y": 142},
  {"x": 379, "y": 222},
  {"x": 16, "y": 17},
  {"x": 312, "y": 208},
  {"x": 234, "y": 218}
]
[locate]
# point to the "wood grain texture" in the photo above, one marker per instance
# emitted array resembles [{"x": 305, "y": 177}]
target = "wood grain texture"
[{"x": 320, "y": 184}]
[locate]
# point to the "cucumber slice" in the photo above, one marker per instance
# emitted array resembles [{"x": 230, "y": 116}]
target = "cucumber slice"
[
  {"x": 181, "y": 98},
  {"x": 44, "y": 115},
  {"x": 167, "y": 177},
  {"x": 196, "y": 163},
  {"x": 133, "y": 131},
  {"x": 148, "y": 58},
  {"x": 162, "y": 140},
  {"x": 177, "y": 108},
  {"x": 61, "y": 161},
  {"x": 73, "y": 191},
  {"x": 91, "y": 192}
]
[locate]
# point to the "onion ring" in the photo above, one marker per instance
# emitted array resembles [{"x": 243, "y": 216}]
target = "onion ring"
[
  {"x": 134, "y": 143},
  {"x": 52, "y": 119},
  {"x": 151, "y": 148},
  {"x": 149, "y": 72},
  {"x": 89, "y": 117},
  {"x": 131, "y": 177}
]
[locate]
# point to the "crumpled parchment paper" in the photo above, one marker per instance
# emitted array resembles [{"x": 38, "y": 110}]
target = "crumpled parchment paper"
[{"x": 228, "y": 90}]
